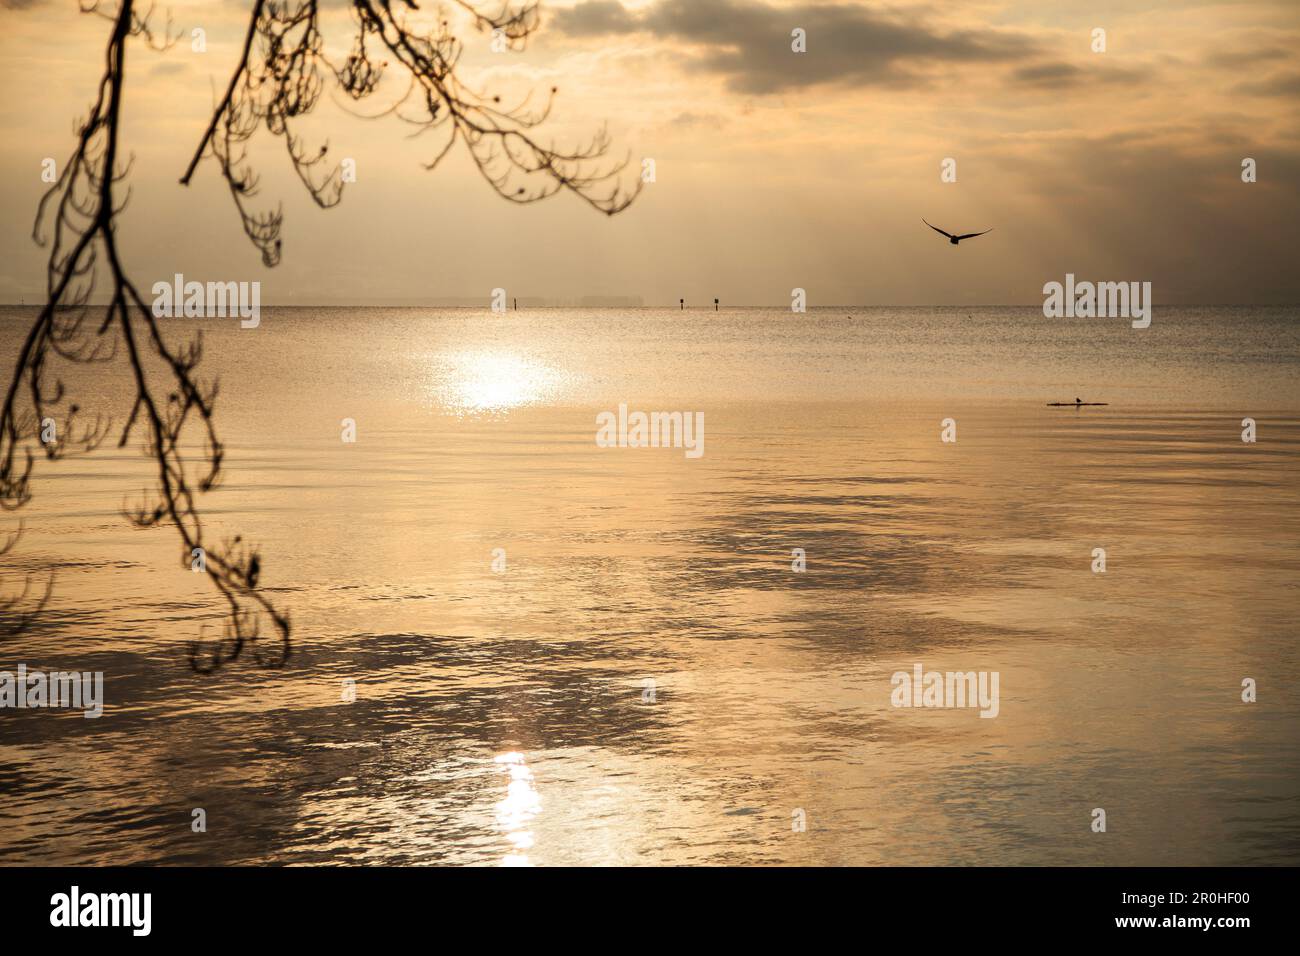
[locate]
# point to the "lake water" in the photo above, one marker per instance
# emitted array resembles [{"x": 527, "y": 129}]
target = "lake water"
[{"x": 648, "y": 680}]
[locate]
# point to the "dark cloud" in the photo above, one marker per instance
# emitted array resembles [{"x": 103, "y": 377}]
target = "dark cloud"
[
  {"x": 1281, "y": 84},
  {"x": 748, "y": 43},
  {"x": 1054, "y": 75},
  {"x": 1233, "y": 59},
  {"x": 1175, "y": 211},
  {"x": 1059, "y": 76},
  {"x": 596, "y": 18},
  {"x": 169, "y": 68}
]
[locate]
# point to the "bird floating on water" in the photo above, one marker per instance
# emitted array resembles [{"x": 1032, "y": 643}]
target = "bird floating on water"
[{"x": 955, "y": 239}]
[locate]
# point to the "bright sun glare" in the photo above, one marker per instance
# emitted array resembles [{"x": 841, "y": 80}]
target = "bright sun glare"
[{"x": 491, "y": 381}]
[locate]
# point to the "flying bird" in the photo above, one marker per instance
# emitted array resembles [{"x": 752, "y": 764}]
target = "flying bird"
[{"x": 955, "y": 239}]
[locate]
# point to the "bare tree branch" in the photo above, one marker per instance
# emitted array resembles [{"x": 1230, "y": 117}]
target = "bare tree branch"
[
  {"x": 282, "y": 72},
  {"x": 77, "y": 219},
  {"x": 279, "y": 78}
]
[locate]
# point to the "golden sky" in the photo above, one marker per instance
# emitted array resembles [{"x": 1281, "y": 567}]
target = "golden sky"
[{"x": 774, "y": 169}]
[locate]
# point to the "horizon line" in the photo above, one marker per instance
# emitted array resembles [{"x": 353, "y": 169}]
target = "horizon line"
[{"x": 708, "y": 307}]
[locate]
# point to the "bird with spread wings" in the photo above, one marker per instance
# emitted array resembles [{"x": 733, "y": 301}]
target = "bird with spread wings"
[{"x": 956, "y": 239}]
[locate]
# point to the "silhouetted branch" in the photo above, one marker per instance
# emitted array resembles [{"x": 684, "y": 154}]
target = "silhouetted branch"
[
  {"x": 280, "y": 76},
  {"x": 77, "y": 220},
  {"x": 282, "y": 72}
]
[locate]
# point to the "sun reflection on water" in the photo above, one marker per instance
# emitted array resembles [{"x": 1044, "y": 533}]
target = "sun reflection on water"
[
  {"x": 486, "y": 381},
  {"x": 517, "y": 810}
]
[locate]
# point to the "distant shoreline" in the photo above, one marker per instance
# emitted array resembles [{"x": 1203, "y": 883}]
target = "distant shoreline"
[{"x": 484, "y": 305}]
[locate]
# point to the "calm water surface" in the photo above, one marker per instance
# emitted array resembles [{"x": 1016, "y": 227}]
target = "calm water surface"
[{"x": 503, "y": 718}]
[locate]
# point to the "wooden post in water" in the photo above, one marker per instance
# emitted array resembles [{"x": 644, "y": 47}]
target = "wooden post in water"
[
  {"x": 715, "y": 304},
  {"x": 682, "y": 303}
]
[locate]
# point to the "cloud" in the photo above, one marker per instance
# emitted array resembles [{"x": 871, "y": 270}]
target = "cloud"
[
  {"x": 688, "y": 119},
  {"x": 1281, "y": 84},
  {"x": 169, "y": 68},
  {"x": 1059, "y": 76},
  {"x": 1232, "y": 59},
  {"x": 1054, "y": 75},
  {"x": 749, "y": 43},
  {"x": 596, "y": 18}
]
